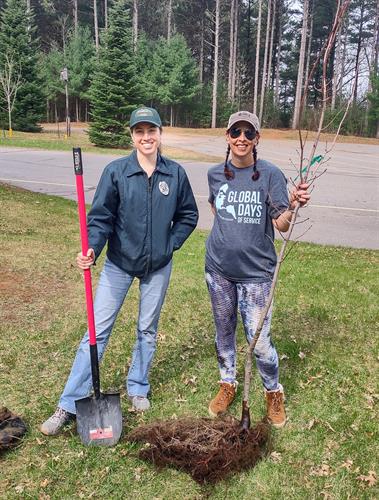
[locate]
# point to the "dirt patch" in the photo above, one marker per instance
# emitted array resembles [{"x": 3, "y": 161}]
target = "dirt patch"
[{"x": 21, "y": 294}]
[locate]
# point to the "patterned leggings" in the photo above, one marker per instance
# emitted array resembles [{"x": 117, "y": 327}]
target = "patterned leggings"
[{"x": 226, "y": 297}]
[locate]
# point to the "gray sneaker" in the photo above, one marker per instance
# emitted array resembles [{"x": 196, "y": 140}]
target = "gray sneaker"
[
  {"x": 139, "y": 403},
  {"x": 53, "y": 425}
]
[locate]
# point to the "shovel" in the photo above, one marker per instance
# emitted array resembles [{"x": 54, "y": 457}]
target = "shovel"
[{"x": 98, "y": 417}]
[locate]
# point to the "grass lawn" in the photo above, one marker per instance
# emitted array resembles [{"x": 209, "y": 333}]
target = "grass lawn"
[
  {"x": 324, "y": 326},
  {"x": 49, "y": 140}
]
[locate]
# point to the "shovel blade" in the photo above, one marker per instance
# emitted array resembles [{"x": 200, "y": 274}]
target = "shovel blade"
[{"x": 99, "y": 421}]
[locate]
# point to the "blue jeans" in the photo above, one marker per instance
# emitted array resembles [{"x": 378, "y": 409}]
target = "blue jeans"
[
  {"x": 113, "y": 286},
  {"x": 250, "y": 298}
]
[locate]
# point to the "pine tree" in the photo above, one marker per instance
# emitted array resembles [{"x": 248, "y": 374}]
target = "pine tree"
[
  {"x": 115, "y": 89},
  {"x": 174, "y": 73},
  {"x": 18, "y": 41},
  {"x": 80, "y": 64}
]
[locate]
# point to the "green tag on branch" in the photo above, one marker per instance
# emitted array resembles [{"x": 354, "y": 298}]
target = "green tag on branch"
[{"x": 315, "y": 159}]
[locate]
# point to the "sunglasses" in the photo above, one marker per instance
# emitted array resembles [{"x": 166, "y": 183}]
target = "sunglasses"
[{"x": 250, "y": 133}]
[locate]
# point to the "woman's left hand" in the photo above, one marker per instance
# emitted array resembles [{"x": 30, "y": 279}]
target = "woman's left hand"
[{"x": 299, "y": 194}]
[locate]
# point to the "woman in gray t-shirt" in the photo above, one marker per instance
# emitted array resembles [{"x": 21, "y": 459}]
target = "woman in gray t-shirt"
[{"x": 249, "y": 198}]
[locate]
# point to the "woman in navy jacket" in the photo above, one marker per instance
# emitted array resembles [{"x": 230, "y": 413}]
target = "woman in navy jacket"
[{"x": 144, "y": 209}]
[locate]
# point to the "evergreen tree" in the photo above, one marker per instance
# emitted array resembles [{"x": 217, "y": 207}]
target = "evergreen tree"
[
  {"x": 80, "y": 64},
  {"x": 114, "y": 91},
  {"x": 174, "y": 72},
  {"x": 18, "y": 41},
  {"x": 51, "y": 65}
]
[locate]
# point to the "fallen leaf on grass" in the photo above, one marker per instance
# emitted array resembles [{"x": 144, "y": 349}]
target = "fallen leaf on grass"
[
  {"x": 347, "y": 464},
  {"x": 137, "y": 473},
  {"x": 311, "y": 424},
  {"x": 276, "y": 456},
  {"x": 323, "y": 470},
  {"x": 283, "y": 357},
  {"x": 369, "y": 401},
  {"x": 44, "y": 483},
  {"x": 370, "y": 479},
  {"x": 301, "y": 355}
]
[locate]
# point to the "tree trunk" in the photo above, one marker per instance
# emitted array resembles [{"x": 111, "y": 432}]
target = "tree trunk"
[
  {"x": 359, "y": 46},
  {"x": 77, "y": 109},
  {"x": 270, "y": 52},
  {"x": 300, "y": 72},
  {"x": 235, "y": 43},
  {"x": 336, "y": 67},
  {"x": 278, "y": 58},
  {"x": 106, "y": 14},
  {"x": 231, "y": 48},
  {"x": 265, "y": 60},
  {"x": 169, "y": 15},
  {"x": 201, "y": 61},
  {"x": 96, "y": 25},
  {"x": 171, "y": 116},
  {"x": 215, "y": 68},
  {"x": 75, "y": 14},
  {"x": 135, "y": 24},
  {"x": 256, "y": 74},
  {"x": 310, "y": 33}
]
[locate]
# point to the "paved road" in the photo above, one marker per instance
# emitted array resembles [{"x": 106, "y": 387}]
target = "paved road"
[{"x": 344, "y": 209}]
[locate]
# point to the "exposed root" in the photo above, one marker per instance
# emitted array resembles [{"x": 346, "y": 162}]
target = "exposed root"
[{"x": 209, "y": 450}]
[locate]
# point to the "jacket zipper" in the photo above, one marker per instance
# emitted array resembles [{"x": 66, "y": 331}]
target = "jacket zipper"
[{"x": 149, "y": 220}]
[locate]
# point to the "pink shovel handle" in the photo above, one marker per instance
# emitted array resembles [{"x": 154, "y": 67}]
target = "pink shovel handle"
[{"x": 84, "y": 240}]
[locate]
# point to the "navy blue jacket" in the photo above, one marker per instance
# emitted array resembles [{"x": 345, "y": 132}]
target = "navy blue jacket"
[{"x": 144, "y": 220}]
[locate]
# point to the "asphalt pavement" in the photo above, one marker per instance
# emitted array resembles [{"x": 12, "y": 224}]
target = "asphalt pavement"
[{"x": 343, "y": 211}]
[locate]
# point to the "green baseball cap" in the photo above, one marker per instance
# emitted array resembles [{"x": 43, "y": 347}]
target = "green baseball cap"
[{"x": 147, "y": 115}]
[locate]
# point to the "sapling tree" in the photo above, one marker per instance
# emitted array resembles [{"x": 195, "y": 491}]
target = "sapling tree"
[
  {"x": 307, "y": 173},
  {"x": 10, "y": 81}
]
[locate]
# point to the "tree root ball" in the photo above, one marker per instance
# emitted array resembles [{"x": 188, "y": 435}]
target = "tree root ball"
[
  {"x": 209, "y": 450},
  {"x": 12, "y": 428}
]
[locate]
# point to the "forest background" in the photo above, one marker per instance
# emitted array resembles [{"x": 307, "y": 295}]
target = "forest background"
[{"x": 196, "y": 61}]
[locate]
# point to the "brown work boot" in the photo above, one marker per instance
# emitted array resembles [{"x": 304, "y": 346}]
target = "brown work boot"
[
  {"x": 223, "y": 400},
  {"x": 276, "y": 413}
]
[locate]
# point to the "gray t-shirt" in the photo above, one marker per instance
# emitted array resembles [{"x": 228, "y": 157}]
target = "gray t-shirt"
[{"x": 240, "y": 246}]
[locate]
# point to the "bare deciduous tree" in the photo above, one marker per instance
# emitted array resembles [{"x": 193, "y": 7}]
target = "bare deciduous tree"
[
  {"x": 305, "y": 175},
  {"x": 10, "y": 81}
]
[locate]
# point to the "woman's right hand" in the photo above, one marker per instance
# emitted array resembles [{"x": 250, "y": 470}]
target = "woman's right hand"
[{"x": 85, "y": 262}]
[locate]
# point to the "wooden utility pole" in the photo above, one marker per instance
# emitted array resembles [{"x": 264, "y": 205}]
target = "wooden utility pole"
[
  {"x": 300, "y": 72},
  {"x": 215, "y": 67},
  {"x": 256, "y": 75}
]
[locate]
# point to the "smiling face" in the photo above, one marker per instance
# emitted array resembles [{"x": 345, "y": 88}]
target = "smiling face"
[
  {"x": 241, "y": 146},
  {"x": 146, "y": 138}
]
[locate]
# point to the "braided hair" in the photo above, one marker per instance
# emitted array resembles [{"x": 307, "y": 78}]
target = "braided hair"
[{"x": 229, "y": 174}]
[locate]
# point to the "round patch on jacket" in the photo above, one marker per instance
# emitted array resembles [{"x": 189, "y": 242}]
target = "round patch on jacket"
[{"x": 163, "y": 188}]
